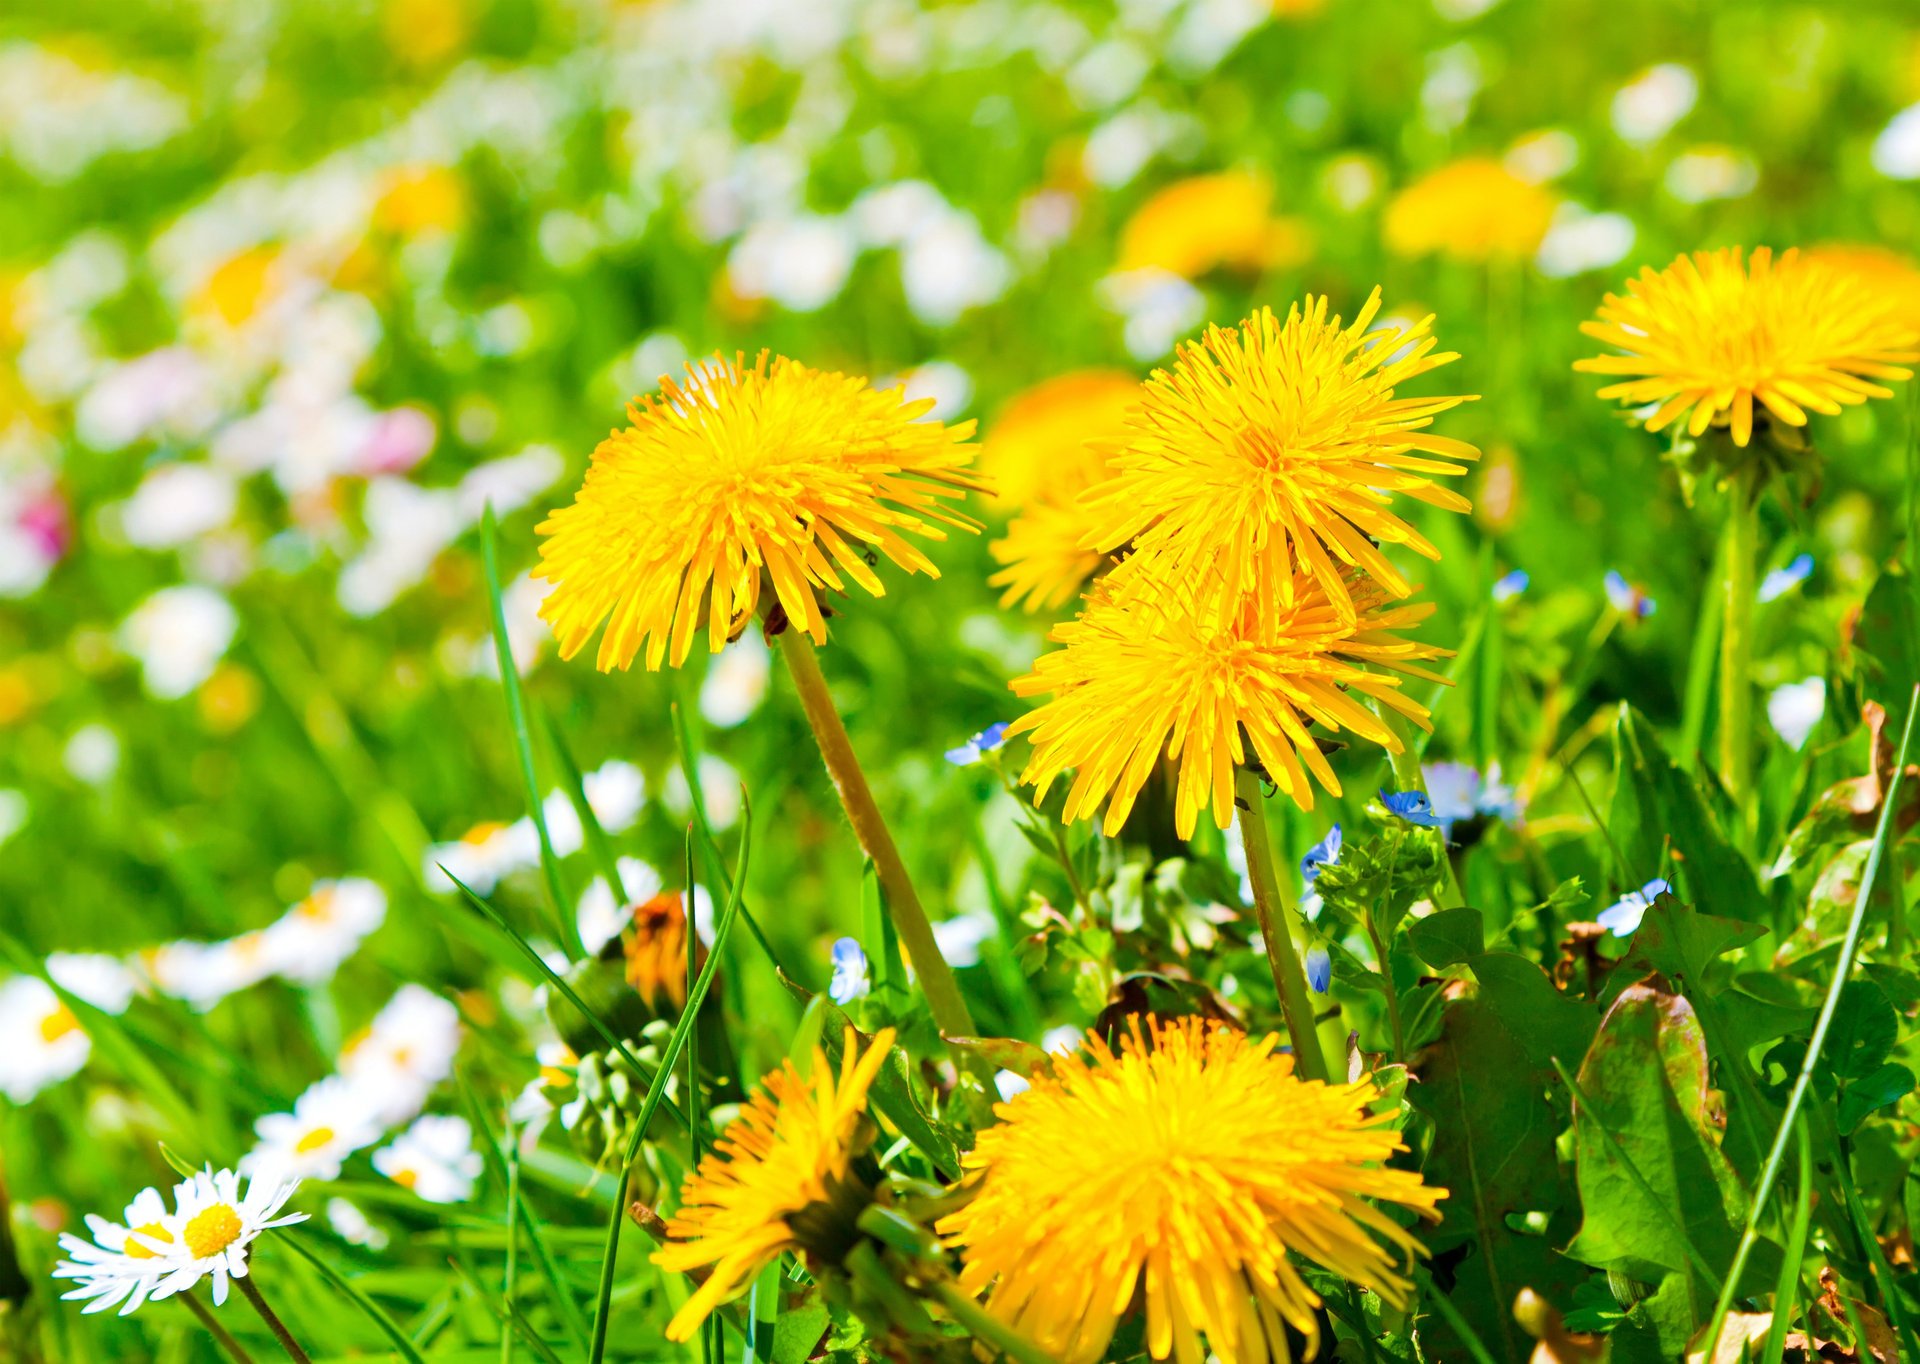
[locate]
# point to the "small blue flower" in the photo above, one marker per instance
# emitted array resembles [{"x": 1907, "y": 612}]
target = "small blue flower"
[
  {"x": 1511, "y": 585},
  {"x": 1499, "y": 800},
  {"x": 1412, "y": 806},
  {"x": 1628, "y": 599},
  {"x": 1325, "y": 853},
  {"x": 1319, "y": 970},
  {"x": 1623, "y": 916},
  {"x": 1453, "y": 792},
  {"x": 993, "y": 737},
  {"x": 1781, "y": 581},
  {"x": 850, "y": 972}
]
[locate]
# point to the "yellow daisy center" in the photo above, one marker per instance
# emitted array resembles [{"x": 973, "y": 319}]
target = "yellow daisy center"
[
  {"x": 407, "y": 1178},
  {"x": 212, "y": 1231},
  {"x": 318, "y": 906},
  {"x": 58, "y": 1024},
  {"x": 153, "y": 1231},
  {"x": 478, "y": 835},
  {"x": 313, "y": 1140}
]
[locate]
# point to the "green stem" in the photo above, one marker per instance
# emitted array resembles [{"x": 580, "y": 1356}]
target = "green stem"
[
  {"x": 1276, "y": 927},
  {"x": 1843, "y": 968},
  {"x": 251, "y": 1291},
  {"x": 843, "y": 765},
  {"x": 1736, "y": 640},
  {"x": 1407, "y": 776},
  {"x": 511, "y": 1284},
  {"x": 1393, "y": 995},
  {"x": 987, "y": 1329},
  {"x": 214, "y": 1328}
]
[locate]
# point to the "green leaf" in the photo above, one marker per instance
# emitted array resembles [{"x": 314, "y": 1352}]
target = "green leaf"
[
  {"x": 1863, "y": 1031},
  {"x": 1655, "y": 802},
  {"x": 799, "y": 1331},
  {"x": 1887, "y": 639},
  {"x": 1681, "y": 943},
  {"x": 1448, "y": 937},
  {"x": 1662, "y": 1175},
  {"x": 1483, "y": 1085},
  {"x": 1889, "y": 1084}
]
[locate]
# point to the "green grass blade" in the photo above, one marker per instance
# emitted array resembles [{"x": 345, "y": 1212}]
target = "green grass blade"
[
  {"x": 523, "y": 737},
  {"x": 1788, "y": 1284},
  {"x": 376, "y": 1314},
  {"x": 709, "y": 846},
  {"x": 657, "y": 1089},
  {"x": 1843, "y": 968},
  {"x": 1702, "y": 663},
  {"x": 510, "y": 1318},
  {"x": 598, "y": 844},
  {"x": 1448, "y": 1313}
]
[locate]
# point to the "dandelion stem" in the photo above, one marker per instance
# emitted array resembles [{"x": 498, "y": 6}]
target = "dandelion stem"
[
  {"x": 988, "y": 1330},
  {"x": 215, "y": 1329},
  {"x": 843, "y": 765},
  {"x": 1736, "y": 638},
  {"x": 1276, "y": 928},
  {"x": 274, "y": 1324}
]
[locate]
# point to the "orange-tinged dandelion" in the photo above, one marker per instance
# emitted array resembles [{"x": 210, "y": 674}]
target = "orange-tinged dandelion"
[
  {"x": 1472, "y": 210},
  {"x": 1276, "y": 444},
  {"x": 1722, "y": 340},
  {"x": 1188, "y": 1169},
  {"x": 788, "y": 1155},
  {"x": 1047, "y": 447},
  {"x": 1206, "y": 223},
  {"x": 746, "y": 475},
  {"x": 1151, "y": 674}
]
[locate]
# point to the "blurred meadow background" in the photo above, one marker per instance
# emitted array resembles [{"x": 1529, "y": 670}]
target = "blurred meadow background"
[{"x": 291, "y": 293}]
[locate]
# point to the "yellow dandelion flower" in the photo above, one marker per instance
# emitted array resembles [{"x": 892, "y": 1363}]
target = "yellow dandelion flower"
[
  {"x": 1210, "y": 222},
  {"x": 1143, "y": 674},
  {"x": 1280, "y": 443},
  {"x": 1185, "y": 1169},
  {"x": 1712, "y": 335},
  {"x": 1472, "y": 210},
  {"x": 1886, "y": 271},
  {"x": 1047, "y": 446},
  {"x": 771, "y": 470},
  {"x": 655, "y": 948},
  {"x": 780, "y": 1178}
]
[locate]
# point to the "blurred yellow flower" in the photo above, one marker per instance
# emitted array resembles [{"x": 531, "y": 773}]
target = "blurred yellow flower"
[
  {"x": 418, "y": 199},
  {"x": 228, "y": 698},
  {"x": 1185, "y": 1170},
  {"x": 790, "y": 1152},
  {"x": 1048, "y": 446},
  {"x": 423, "y": 32},
  {"x": 1472, "y": 210},
  {"x": 239, "y": 287},
  {"x": 1275, "y": 445},
  {"x": 1154, "y": 674},
  {"x": 1890, "y": 274},
  {"x": 773, "y": 470},
  {"x": 1211, "y": 222},
  {"x": 1712, "y": 335}
]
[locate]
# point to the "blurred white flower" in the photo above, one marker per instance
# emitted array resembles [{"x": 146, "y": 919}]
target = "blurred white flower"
[
  {"x": 308, "y": 942},
  {"x": 1795, "y": 709},
  {"x": 92, "y": 754},
  {"x": 1158, "y": 306},
  {"x": 105, "y": 982},
  {"x": 1704, "y": 174},
  {"x": 736, "y": 681},
  {"x": 165, "y": 392},
  {"x": 1064, "y": 1040},
  {"x": 616, "y": 793},
  {"x": 1896, "y": 152},
  {"x": 354, "y": 1227},
  {"x": 602, "y": 916},
  {"x": 1108, "y": 73},
  {"x": 1579, "y": 241},
  {"x": 1454, "y": 77},
  {"x": 483, "y": 856},
  {"x": 1007, "y": 1084},
  {"x": 407, "y": 1050},
  {"x": 178, "y": 635},
  {"x": 1543, "y": 156},
  {"x": 329, "y": 1122},
  {"x": 434, "y": 1158},
  {"x": 204, "y": 973},
  {"x": 1645, "y": 109},
  {"x": 800, "y": 263},
  {"x": 948, "y": 267},
  {"x": 41, "y": 1042},
  {"x": 13, "y": 812},
  {"x": 961, "y": 937},
  {"x": 719, "y": 791},
  {"x": 176, "y": 503}
]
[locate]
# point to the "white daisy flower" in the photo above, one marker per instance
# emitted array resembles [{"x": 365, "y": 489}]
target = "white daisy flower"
[
  {"x": 204, "y": 973},
  {"x": 329, "y": 1122},
  {"x": 483, "y": 856},
  {"x": 213, "y": 1225},
  {"x": 404, "y": 1053},
  {"x": 736, "y": 681},
  {"x": 616, "y": 793},
  {"x": 308, "y": 942},
  {"x": 122, "y": 1264},
  {"x": 41, "y": 1042},
  {"x": 434, "y": 1158},
  {"x": 104, "y": 982},
  {"x": 601, "y": 917},
  {"x": 353, "y": 1226}
]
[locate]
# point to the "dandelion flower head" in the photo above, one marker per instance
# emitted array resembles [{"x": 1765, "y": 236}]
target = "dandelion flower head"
[
  {"x": 1279, "y": 443},
  {"x": 789, "y": 1154},
  {"x": 1187, "y": 1168},
  {"x": 1143, "y": 676},
  {"x": 1472, "y": 210},
  {"x": 1724, "y": 339},
  {"x": 744, "y": 474}
]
